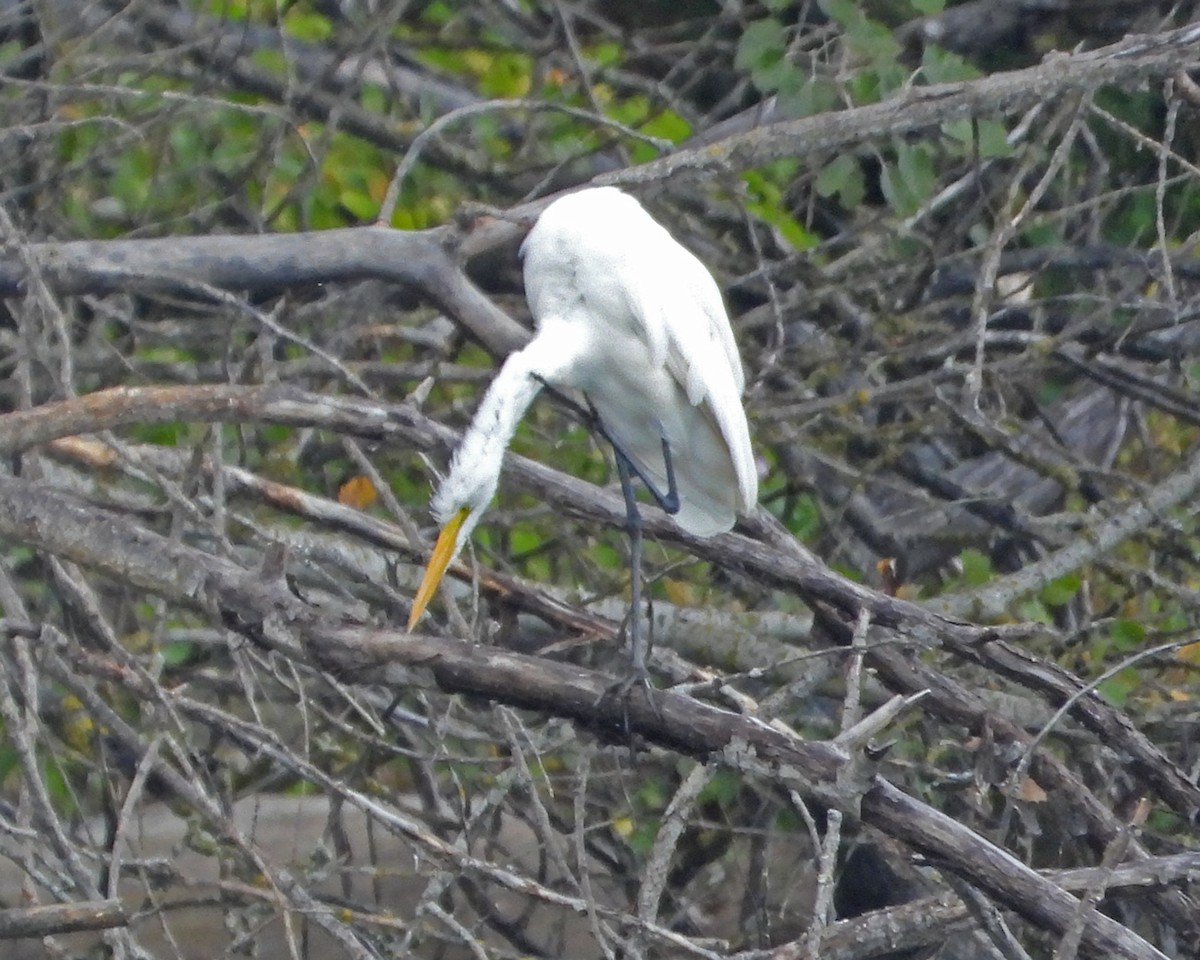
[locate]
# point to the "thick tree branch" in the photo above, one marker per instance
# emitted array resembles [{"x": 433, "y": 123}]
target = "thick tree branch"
[
  {"x": 55, "y": 919},
  {"x": 928, "y": 921},
  {"x": 269, "y": 613},
  {"x": 416, "y": 259},
  {"x": 1130, "y": 61},
  {"x": 793, "y": 570},
  {"x": 263, "y": 262}
]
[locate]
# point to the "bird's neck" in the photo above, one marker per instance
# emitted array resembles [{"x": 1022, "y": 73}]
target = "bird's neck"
[
  {"x": 475, "y": 469},
  {"x": 503, "y": 406}
]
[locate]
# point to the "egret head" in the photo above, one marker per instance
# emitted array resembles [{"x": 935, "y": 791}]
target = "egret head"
[{"x": 457, "y": 506}]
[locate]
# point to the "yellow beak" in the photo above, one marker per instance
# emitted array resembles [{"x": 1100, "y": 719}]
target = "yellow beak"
[{"x": 439, "y": 560}]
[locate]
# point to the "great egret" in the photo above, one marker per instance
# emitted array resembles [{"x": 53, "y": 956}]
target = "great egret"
[{"x": 635, "y": 322}]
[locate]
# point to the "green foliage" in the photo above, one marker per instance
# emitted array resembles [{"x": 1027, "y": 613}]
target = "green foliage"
[
  {"x": 873, "y": 42},
  {"x": 762, "y": 50},
  {"x": 976, "y": 567},
  {"x": 805, "y": 520},
  {"x": 606, "y": 556},
  {"x": 307, "y": 24},
  {"x": 1062, "y": 591},
  {"x": 163, "y": 434},
  {"x": 1118, "y": 688},
  {"x": 943, "y": 66},
  {"x": 506, "y": 75},
  {"x": 1032, "y": 610},
  {"x": 910, "y": 170},
  {"x": 177, "y": 654},
  {"x": 911, "y": 180},
  {"x": 1132, "y": 222},
  {"x": 766, "y": 192},
  {"x": 666, "y": 125},
  {"x": 10, "y": 759},
  {"x": 724, "y": 788},
  {"x": 986, "y": 138},
  {"x": 58, "y": 787},
  {"x": 842, "y": 178},
  {"x": 1127, "y": 634},
  {"x": 525, "y": 547}
]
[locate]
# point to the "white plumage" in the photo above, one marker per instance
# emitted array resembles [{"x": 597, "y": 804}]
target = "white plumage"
[{"x": 634, "y": 321}]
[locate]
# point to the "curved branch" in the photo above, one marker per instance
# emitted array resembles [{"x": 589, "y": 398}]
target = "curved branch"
[{"x": 269, "y": 262}]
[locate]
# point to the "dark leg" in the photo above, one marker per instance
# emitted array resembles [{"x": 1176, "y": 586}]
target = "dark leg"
[
  {"x": 633, "y": 524},
  {"x": 669, "y": 501}
]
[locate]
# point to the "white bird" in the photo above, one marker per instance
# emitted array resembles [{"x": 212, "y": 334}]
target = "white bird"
[{"x": 631, "y": 319}]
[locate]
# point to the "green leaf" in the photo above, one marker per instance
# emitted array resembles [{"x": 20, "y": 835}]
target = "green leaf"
[
  {"x": 806, "y": 518},
  {"x": 160, "y": 434},
  {"x": 508, "y": 75},
  {"x": 761, "y": 41},
  {"x": 1127, "y": 634},
  {"x": 916, "y": 164},
  {"x": 10, "y": 759},
  {"x": 56, "y": 785},
  {"x": 877, "y": 43},
  {"x": 523, "y": 539},
  {"x": 911, "y": 180},
  {"x": 607, "y": 557},
  {"x": 1060, "y": 592},
  {"x": 642, "y": 839},
  {"x": 268, "y": 59},
  {"x": 1034, "y": 611},
  {"x": 607, "y": 54},
  {"x": 988, "y": 137},
  {"x": 1116, "y": 690},
  {"x": 891, "y": 184},
  {"x": 803, "y": 96},
  {"x": 852, "y": 574},
  {"x": 939, "y": 65},
  {"x": 768, "y": 203},
  {"x": 307, "y": 25},
  {"x": 438, "y": 13},
  {"x": 762, "y": 50},
  {"x": 177, "y": 654},
  {"x": 842, "y": 177},
  {"x": 845, "y": 12},
  {"x": 667, "y": 125},
  {"x": 976, "y": 567},
  {"x": 928, "y": 7},
  {"x": 724, "y": 788},
  {"x": 358, "y": 203}
]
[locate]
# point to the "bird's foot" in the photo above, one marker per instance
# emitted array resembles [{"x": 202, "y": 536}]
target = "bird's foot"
[
  {"x": 623, "y": 691},
  {"x": 638, "y": 677}
]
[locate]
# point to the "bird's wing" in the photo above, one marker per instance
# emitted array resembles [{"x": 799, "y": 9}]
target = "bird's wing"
[{"x": 685, "y": 323}]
